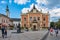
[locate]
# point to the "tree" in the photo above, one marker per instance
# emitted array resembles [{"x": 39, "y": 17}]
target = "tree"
[
  {"x": 52, "y": 24},
  {"x": 58, "y": 23}
]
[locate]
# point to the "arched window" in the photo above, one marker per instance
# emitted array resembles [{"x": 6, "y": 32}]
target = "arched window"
[
  {"x": 24, "y": 25},
  {"x": 30, "y": 18},
  {"x": 38, "y": 18},
  {"x": 44, "y": 25},
  {"x": 30, "y": 25},
  {"x": 44, "y": 19},
  {"x": 34, "y": 18},
  {"x": 24, "y": 19},
  {"x": 4, "y": 21}
]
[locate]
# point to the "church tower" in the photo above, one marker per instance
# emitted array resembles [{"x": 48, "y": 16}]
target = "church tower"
[{"x": 7, "y": 11}]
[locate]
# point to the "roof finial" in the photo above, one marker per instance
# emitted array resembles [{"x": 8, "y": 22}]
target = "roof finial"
[
  {"x": 34, "y": 6},
  {"x": 7, "y": 8},
  {"x": 48, "y": 12},
  {"x": 41, "y": 10},
  {"x": 28, "y": 10}
]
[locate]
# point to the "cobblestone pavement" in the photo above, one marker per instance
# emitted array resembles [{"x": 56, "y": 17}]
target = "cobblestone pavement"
[
  {"x": 32, "y": 35},
  {"x": 49, "y": 37}
]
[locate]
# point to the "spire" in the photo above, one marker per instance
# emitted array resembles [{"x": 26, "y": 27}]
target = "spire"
[
  {"x": 41, "y": 10},
  {"x": 34, "y": 7},
  {"x": 7, "y": 11},
  {"x": 7, "y": 8}
]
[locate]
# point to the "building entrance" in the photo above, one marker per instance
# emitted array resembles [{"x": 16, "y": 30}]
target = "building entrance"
[{"x": 34, "y": 27}]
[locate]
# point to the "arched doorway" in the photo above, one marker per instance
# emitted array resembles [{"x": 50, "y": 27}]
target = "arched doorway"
[{"x": 34, "y": 27}]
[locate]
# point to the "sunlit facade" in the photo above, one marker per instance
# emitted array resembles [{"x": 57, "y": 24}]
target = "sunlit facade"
[{"x": 35, "y": 19}]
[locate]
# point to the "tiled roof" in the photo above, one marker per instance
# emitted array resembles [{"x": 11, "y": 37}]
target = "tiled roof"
[
  {"x": 5, "y": 16},
  {"x": 16, "y": 19}
]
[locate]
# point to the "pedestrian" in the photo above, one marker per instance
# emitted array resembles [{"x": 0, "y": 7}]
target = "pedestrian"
[
  {"x": 48, "y": 29},
  {"x": 51, "y": 31},
  {"x": 18, "y": 28},
  {"x": 5, "y": 32},
  {"x": 2, "y": 29},
  {"x": 56, "y": 31}
]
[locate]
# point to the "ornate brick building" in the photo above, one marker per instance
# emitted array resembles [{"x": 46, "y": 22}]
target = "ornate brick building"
[{"x": 35, "y": 19}]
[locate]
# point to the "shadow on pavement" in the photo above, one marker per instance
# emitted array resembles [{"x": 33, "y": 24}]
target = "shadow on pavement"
[
  {"x": 45, "y": 36},
  {"x": 16, "y": 32}
]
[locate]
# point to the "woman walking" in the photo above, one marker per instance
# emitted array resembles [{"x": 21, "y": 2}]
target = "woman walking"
[{"x": 51, "y": 31}]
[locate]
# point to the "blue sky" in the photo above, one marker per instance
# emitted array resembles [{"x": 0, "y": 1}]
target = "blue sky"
[{"x": 16, "y": 7}]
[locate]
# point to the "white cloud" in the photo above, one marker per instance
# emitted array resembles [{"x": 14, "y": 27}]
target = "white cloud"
[
  {"x": 55, "y": 12},
  {"x": 48, "y": 3},
  {"x": 42, "y": 2},
  {"x": 25, "y": 10},
  {"x": 44, "y": 10},
  {"x": 10, "y": 1},
  {"x": 3, "y": 2},
  {"x": 31, "y": 6},
  {"x": 21, "y": 1}
]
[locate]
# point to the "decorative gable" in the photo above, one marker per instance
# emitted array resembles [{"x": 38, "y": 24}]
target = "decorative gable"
[{"x": 34, "y": 10}]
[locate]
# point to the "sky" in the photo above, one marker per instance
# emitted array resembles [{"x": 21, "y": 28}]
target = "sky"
[{"x": 17, "y": 7}]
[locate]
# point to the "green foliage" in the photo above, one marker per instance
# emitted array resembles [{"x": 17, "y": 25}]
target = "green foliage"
[
  {"x": 57, "y": 24},
  {"x": 51, "y": 24}
]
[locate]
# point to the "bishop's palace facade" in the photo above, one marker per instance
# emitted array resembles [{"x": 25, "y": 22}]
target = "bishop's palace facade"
[{"x": 35, "y": 19}]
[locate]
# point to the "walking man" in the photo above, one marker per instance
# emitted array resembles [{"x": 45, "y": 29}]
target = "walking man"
[
  {"x": 2, "y": 29},
  {"x": 18, "y": 28}
]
